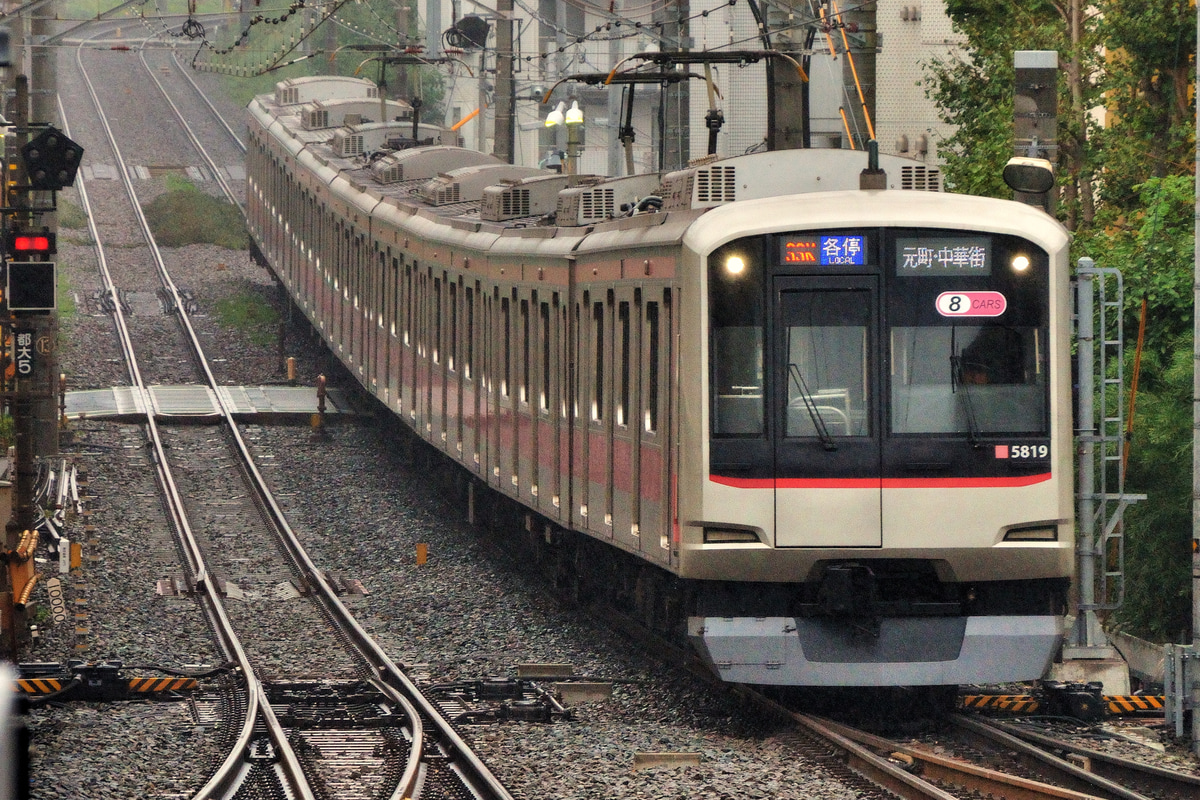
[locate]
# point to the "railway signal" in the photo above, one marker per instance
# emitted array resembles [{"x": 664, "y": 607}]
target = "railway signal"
[
  {"x": 30, "y": 279},
  {"x": 51, "y": 160}
]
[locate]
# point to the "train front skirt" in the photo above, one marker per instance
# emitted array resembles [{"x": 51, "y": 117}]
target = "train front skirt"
[{"x": 845, "y": 652}]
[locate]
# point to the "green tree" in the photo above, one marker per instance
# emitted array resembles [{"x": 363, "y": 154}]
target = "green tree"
[
  {"x": 975, "y": 94},
  {"x": 1127, "y": 191}
]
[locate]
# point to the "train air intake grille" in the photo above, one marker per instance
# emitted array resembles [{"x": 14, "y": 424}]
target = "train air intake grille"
[
  {"x": 515, "y": 203},
  {"x": 921, "y": 179},
  {"x": 348, "y": 145},
  {"x": 716, "y": 185},
  {"x": 444, "y": 195},
  {"x": 597, "y": 204},
  {"x": 316, "y": 118},
  {"x": 387, "y": 171}
]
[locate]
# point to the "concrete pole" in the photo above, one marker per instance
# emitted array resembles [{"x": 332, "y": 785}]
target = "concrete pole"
[
  {"x": 1195, "y": 672},
  {"x": 1083, "y": 634},
  {"x": 504, "y": 138}
]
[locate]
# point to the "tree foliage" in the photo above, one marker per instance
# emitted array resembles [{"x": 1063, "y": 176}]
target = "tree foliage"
[{"x": 1125, "y": 163}]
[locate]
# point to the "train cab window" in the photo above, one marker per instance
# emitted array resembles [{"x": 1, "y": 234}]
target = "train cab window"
[
  {"x": 827, "y": 344},
  {"x": 968, "y": 337},
  {"x": 736, "y": 316},
  {"x": 972, "y": 379}
]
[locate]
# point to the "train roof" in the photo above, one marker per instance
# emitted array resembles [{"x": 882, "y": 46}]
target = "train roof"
[{"x": 385, "y": 166}]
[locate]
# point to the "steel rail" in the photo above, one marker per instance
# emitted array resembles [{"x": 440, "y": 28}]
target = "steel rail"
[
  {"x": 392, "y": 680},
  {"x": 1077, "y": 783},
  {"x": 1106, "y": 765},
  {"x": 878, "y": 770},
  {"x": 187, "y": 129},
  {"x": 220, "y": 118},
  {"x": 226, "y": 777}
]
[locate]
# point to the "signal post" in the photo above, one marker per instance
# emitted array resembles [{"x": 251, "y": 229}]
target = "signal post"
[{"x": 38, "y": 161}]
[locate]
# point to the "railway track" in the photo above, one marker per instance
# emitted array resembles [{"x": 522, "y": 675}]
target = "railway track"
[
  {"x": 308, "y": 730},
  {"x": 976, "y": 757},
  {"x": 311, "y": 722}
]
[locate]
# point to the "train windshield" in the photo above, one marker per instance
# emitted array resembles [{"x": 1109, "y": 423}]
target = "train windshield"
[
  {"x": 967, "y": 379},
  {"x": 930, "y": 333},
  {"x": 826, "y": 342}
]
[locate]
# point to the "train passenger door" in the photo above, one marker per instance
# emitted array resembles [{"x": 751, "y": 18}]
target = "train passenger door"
[{"x": 826, "y": 428}]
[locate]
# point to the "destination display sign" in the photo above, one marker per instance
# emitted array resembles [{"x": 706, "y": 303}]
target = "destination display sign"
[
  {"x": 942, "y": 256},
  {"x": 823, "y": 249}
]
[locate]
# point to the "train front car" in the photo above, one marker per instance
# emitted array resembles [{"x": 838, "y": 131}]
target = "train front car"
[{"x": 876, "y": 483}]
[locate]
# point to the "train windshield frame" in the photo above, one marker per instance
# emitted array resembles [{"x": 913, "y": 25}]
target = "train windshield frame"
[{"x": 898, "y": 334}]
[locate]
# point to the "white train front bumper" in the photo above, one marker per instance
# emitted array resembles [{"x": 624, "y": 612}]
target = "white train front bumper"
[{"x": 910, "y": 651}]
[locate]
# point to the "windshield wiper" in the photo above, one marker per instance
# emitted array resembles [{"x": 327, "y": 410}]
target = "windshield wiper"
[
  {"x": 974, "y": 434},
  {"x": 810, "y": 404}
]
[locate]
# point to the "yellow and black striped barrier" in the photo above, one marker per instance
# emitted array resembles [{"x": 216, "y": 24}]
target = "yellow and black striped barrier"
[
  {"x": 148, "y": 685},
  {"x": 94, "y": 682},
  {"x": 1117, "y": 705},
  {"x": 1012, "y": 703},
  {"x": 36, "y": 686},
  {"x": 1135, "y": 703}
]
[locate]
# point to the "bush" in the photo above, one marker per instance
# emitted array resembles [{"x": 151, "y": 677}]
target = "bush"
[
  {"x": 185, "y": 215},
  {"x": 251, "y": 314}
]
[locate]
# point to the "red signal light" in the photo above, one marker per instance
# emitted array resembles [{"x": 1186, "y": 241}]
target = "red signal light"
[
  {"x": 26, "y": 244},
  {"x": 31, "y": 244}
]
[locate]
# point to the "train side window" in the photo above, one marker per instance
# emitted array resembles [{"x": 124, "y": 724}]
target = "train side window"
[
  {"x": 506, "y": 321},
  {"x": 437, "y": 320},
  {"x": 525, "y": 343},
  {"x": 408, "y": 303},
  {"x": 469, "y": 355},
  {"x": 393, "y": 295},
  {"x": 452, "y": 345},
  {"x": 623, "y": 390},
  {"x": 544, "y": 394},
  {"x": 652, "y": 334},
  {"x": 598, "y": 357}
]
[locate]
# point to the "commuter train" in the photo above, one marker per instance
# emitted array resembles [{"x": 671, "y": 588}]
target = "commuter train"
[{"x": 835, "y": 421}]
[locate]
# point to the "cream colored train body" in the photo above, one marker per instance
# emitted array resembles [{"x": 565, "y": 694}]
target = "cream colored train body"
[{"x": 839, "y": 419}]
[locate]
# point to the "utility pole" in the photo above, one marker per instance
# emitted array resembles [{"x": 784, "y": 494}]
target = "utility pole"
[
  {"x": 34, "y": 170},
  {"x": 505, "y": 101},
  {"x": 1195, "y": 687}
]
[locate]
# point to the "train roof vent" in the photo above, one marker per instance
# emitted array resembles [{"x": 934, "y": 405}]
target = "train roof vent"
[
  {"x": 315, "y": 118},
  {"x": 598, "y": 201},
  {"x": 467, "y": 183},
  {"x": 333, "y": 114},
  {"x": 715, "y": 185},
  {"x": 387, "y": 170},
  {"x": 323, "y": 87},
  {"x": 524, "y": 197},
  {"x": 399, "y": 136},
  {"x": 676, "y": 188},
  {"x": 425, "y": 163},
  {"x": 920, "y": 178},
  {"x": 347, "y": 143}
]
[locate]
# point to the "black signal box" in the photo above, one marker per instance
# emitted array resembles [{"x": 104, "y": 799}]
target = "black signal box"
[
  {"x": 31, "y": 286},
  {"x": 51, "y": 160}
]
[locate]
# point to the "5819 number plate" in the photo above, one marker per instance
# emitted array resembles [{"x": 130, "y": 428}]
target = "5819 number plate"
[{"x": 1023, "y": 452}]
